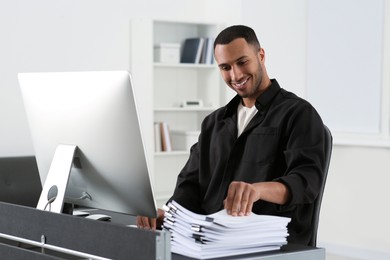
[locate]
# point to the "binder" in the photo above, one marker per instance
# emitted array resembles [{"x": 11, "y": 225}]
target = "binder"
[{"x": 192, "y": 50}]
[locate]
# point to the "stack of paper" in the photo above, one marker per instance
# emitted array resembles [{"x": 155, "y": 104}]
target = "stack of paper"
[{"x": 219, "y": 234}]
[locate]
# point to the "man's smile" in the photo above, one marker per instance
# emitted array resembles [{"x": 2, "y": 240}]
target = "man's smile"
[{"x": 239, "y": 85}]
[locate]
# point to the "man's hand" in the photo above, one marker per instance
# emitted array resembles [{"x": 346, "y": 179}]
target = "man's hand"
[
  {"x": 151, "y": 223},
  {"x": 242, "y": 195},
  {"x": 240, "y": 198}
]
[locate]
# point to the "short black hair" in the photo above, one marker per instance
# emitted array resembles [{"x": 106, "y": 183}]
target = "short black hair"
[{"x": 231, "y": 33}]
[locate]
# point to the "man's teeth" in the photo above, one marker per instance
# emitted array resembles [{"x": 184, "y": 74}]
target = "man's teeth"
[{"x": 242, "y": 83}]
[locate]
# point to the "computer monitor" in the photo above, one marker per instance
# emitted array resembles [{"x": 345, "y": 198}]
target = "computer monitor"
[{"x": 88, "y": 141}]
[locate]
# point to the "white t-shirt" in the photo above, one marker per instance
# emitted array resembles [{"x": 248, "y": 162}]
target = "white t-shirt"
[{"x": 245, "y": 115}]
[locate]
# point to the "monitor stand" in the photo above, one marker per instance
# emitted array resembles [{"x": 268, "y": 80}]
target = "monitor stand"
[{"x": 53, "y": 191}]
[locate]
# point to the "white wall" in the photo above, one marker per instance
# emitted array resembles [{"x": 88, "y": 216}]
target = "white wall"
[
  {"x": 345, "y": 55},
  {"x": 355, "y": 213},
  {"x": 71, "y": 35},
  {"x": 281, "y": 29}
]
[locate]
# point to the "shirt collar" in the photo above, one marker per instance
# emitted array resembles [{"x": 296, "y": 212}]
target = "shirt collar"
[{"x": 261, "y": 102}]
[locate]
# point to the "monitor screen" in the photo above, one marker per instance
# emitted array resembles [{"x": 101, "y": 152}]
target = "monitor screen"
[{"x": 95, "y": 112}]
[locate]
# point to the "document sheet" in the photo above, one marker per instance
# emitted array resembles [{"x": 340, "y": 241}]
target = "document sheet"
[{"x": 219, "y": 234}]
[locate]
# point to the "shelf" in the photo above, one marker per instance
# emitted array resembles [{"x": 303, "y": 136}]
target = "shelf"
[
  {"x": 166, "y": 86},
  {"x": 173, "y": 153},
  {"x": 184, "y": 65},
  {"x": 184, "y": 109}
]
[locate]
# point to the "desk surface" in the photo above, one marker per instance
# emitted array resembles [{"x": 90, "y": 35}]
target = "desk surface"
[
  {"x": 290, "y": 251},
  {"x": 15, "y": 227},
  {"x": 287, "y": 252}
]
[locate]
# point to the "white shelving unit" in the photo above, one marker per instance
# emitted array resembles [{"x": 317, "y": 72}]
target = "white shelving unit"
[{"x": 164, "y": 87}]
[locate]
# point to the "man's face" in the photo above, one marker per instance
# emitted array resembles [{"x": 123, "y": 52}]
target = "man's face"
[{"x": 241, "y": 67}]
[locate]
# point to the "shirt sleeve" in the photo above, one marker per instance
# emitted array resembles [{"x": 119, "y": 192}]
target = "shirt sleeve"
[
  {"x": 187, "y": 190},
  {"x": 304, "y": 155}
]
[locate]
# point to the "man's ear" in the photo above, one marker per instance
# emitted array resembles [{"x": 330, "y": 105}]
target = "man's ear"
[{"x": 261, "y": 55}]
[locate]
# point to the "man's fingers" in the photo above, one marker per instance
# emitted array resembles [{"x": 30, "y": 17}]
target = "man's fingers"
[
  {"x": 229, "y": 198},
  {"x": 233, "y": 199},
  {"x": 236, "y": 207},
  {"x": 240, "y": 199},
  {"x": 146, "y": 223},
  {"x": 153, "y": 223},
  {"x": 245, "y": 202},
  {"x": 143, "y": 222},
  {"x": 140, "y": 223},
  {"x": 251, "y": 199}
]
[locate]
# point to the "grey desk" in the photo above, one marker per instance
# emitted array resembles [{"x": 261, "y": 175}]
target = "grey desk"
[
  {"x": 288, "y": 252},
  {"x": 63, "y": 233},
  {"x": 44, "y": 232}
]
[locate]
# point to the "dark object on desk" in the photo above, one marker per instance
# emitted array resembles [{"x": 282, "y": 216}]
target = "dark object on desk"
[
  {"x": 101, "y": 217},
  {"x": 317, "y": 202},
  {"x": 19, "y": 181}
]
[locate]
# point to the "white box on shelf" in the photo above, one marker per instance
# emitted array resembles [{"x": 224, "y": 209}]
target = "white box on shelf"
[
  {"x": 183, "y": 140},
  {"x": 167, "y": 53},
  {"x": 192, "y": 103}
]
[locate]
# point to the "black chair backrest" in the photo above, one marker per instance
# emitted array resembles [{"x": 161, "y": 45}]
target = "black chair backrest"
[
  {"x": 19, "y": 181},
  {"x": 317, "y": 202}
]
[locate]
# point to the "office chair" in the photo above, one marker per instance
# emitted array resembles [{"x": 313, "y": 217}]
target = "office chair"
[
  {"x": 318, "y": 200},
  {"x": 19, "y": 181}
]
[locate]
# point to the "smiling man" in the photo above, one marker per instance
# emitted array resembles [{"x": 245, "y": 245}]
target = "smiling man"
[{"x": 263, "y": 152}]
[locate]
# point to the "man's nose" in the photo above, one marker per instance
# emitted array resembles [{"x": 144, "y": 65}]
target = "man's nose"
[{"x": 235, "y": 73}]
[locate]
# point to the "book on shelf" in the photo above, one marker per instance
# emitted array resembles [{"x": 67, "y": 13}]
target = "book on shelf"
[
  {"x": 203, "y": 52},
  {"x": 192, "y": 50},
  {"x": 162, "y": 137},
  {"x": 157, "y": 137},
  {"x": 219, "y": 234},
  {"x": 207, "y": 52},
  {"x": 198, "y": 50}
]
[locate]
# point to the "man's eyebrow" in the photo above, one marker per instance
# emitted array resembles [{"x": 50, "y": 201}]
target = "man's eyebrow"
[
  {"x": 241, "y": 58},
  {"x": 223, "y": 65},
  {"x": 238, "y": 59}
]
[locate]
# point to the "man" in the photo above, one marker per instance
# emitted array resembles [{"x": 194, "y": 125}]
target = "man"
[{"x": 263, "y": 152}]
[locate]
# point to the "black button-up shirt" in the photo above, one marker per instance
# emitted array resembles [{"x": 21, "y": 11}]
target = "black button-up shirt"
[{"x": 284, "y": 142}]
